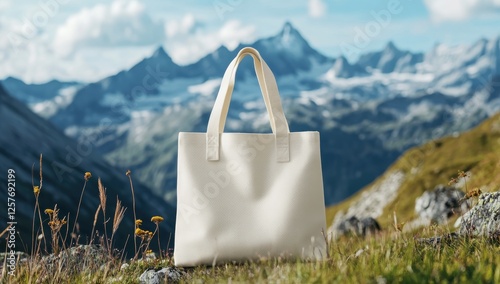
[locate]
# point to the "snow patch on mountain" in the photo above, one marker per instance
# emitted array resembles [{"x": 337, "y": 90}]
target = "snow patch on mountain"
[
  {"x": 318, "y": 96},
  {"x": 48, "y": 108},
  {"x": 424, "y": 110}
]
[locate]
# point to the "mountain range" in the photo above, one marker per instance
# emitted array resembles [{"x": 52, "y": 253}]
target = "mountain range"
[{"x": 367, "y": 112}]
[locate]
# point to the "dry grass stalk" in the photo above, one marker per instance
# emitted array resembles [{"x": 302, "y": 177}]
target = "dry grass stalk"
[
  {"x": 36, "y": 191},
  {"x": 5, "y": 231},
  {"x": 129, "y": 175},
  {"x": 96, "y": 215},
  {"x": 117, "y": 219},
  {"x": 102, "y": 198}
]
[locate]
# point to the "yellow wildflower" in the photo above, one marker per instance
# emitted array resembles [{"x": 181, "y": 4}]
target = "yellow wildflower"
[
  {"x": 157, "y": 219},
  {"x": 138, "y": 222},
  {"x": 36, "y": 189},
  {"x": 48, "y": 211},
  {"x": 139, "y": 232},
  {"x": 87, "y": 176}
]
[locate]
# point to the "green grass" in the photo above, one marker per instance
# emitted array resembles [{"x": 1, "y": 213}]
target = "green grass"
[
  {"x": 398, "y": 260},
  {"x": 391, "y": 256}
]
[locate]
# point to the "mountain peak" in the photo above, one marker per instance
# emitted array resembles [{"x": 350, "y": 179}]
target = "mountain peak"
[
  {"x": 289, "y": 34},
  {"x": 343, "y": 69},
  {"x": 161, "y": 57},
  {"x": 390, "y": 46},
  {"x": 160, "y": 53},
  {"x": 288, "y": 27}
]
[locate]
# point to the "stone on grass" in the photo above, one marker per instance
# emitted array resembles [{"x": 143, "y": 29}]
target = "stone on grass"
[
  {"x": 359, "y": 227},
  {"x": 440, "y": 204},
  {"x": 484, "y": 218},
  {"x": 149, "y": 277},
  {"x": 78, "y": 258},
  {"x": 152, "y": 276}
]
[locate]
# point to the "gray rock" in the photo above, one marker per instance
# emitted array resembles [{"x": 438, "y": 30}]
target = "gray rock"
[
  {"x": 173, "y": 274},
  {"x": 151, "y": 276},
  {"x": 359, "y": 227},
  {"x": 484, "y": 218},
  {"x": 440, "y": 204},
  {"x": 78, "y": 258}
]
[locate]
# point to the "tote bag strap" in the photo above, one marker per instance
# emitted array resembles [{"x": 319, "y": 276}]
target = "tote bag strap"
[
  {"x": 270, "y": 93},
  {"x": 229, "y": 92}
]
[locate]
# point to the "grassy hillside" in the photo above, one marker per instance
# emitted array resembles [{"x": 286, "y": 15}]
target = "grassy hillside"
[{"x": 434, "y": 163}]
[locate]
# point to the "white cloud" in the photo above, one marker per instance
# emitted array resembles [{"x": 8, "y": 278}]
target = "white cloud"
[
  {"x": 189, "y": 40},
  {"x": 122, "y": 23},
  {"x": 182, "y": 27},
  {"x": 186, "y": 40},
  {"x": 457, "y": 10},
  {"x": 36, "y": 63},
  {"x": 317, "y": 8},
  {"x": 233, "y": 32},
  {"x": 5, "y": 4}
]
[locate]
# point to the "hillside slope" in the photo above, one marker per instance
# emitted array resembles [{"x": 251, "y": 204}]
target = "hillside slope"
[{"x": 422, "y": 168}]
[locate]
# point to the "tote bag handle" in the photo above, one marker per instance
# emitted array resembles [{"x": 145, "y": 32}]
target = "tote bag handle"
[{"x": 270, "y": 93}]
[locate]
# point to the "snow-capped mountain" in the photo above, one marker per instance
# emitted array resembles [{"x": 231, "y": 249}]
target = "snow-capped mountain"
[
  {"x": 368, "y": 112},
  {"x": 391, "y": 59},
  {"x": 463, "y": 69},
  {"x": 25, "y": 135}
]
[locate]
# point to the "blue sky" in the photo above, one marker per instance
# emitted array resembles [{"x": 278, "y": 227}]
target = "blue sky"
[{"x": 88, "y": 40}]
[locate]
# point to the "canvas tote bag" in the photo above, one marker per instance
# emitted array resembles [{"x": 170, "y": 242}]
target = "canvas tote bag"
[{"x": 243, "y": 196}]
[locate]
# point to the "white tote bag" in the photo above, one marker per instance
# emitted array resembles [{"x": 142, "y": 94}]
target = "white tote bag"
[{"x": 243, "y": 196}]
